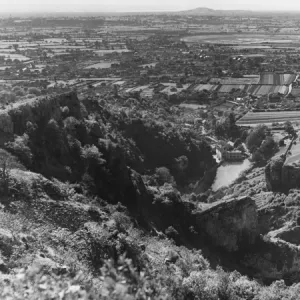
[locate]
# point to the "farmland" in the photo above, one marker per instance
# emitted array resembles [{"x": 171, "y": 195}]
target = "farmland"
[
  {"x": 256, "y": 118},
  {"x": 227, "y": 88},
  {"x": 242, "y": 39},
  {"x": 228, "y": 80},
  {"x": 277, "y": 79},
  {"x": 259, "y": 90},
  {"x": 207, "y": 87}
]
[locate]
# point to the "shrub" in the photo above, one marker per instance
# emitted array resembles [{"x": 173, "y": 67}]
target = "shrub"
[
  {"x": 163, "y": 176},
  {"x": 7, "y": 97},
  {"x": 19, "y": 147},
  {"x": 123, "y": 222},
  {"x": 19, "y": 91},
  {"x": 172, "y": 233},
  {"x": 92, "y": 156},
  {"x": 34, "y": 91},
  {"x": 30, "y": 96}
]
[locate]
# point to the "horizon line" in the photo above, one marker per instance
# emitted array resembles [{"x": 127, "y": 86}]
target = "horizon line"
[{"x": 144, "y": 11}]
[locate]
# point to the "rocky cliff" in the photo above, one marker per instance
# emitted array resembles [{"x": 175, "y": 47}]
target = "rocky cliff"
[
  {"x": 273, "y": 173},
  {"x": 282, "y": 175},
  {"x": 230, "y": 224}
]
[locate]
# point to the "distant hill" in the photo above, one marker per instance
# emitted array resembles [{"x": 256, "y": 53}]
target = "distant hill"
[{"x": 208, "y": 11}]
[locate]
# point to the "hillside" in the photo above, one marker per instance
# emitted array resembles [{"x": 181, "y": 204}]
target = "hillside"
[
  {"x": 97, "y": 203},
  {"x": 204, "y": 11}
]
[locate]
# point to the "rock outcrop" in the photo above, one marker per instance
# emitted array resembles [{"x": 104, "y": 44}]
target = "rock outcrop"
[
  {"x": 229, "y": 224},
  {"x": 290, "y": 175},
  {"x": 282, "y": 175},
  {"x": 273, "y": 173},
  {"x": 274, "y": 259}
]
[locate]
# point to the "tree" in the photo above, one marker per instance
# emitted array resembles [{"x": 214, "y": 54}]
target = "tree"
[
  {"x": 255, "y": 138},
  {"x": 92, "y": 157},
  {"x": 288, "y": 127},
  {"x": 268, "y": 147},
  {"x": 163, "y": 176},
  {"x": 220, "y": 130},
  {"x": 35, "y": 91},
  {"x": 257, "y": 157}
]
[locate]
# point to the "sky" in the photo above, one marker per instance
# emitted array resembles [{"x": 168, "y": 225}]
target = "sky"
[{"x": 141, "y": 5}]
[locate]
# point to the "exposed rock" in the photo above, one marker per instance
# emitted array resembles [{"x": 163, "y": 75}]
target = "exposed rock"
[
  {"x": 229, "y": 224},
  {"x": 273, "y": 259},
  {"x": 291, "y": 235},
  {"x": 49, "y": 265},
  {"x": 282, "y": 175},
  {"x": 290, "y": 176},
  {"x": 273, "y": 173}
]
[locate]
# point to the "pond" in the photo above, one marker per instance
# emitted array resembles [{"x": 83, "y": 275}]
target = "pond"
[{"x": 227, "y": 173}]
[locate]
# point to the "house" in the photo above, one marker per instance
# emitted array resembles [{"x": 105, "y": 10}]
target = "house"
[
  {"x": 234, "y": 155},
  {"x": 226, "y": 153}
]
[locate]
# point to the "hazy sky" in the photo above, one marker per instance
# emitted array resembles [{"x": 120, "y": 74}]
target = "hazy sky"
[{"x": 142, "y": 5}]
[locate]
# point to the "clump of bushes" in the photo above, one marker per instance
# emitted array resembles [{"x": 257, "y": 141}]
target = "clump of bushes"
[{"x": 163, "y": 175}]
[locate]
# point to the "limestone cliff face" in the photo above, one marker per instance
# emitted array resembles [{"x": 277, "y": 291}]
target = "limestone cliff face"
[
  {"x": 230, "y": 224},
  {"x": 280, "y": 175},
  {"x": 274, "y": 259},
  {"x": 290, "y": 176}
]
